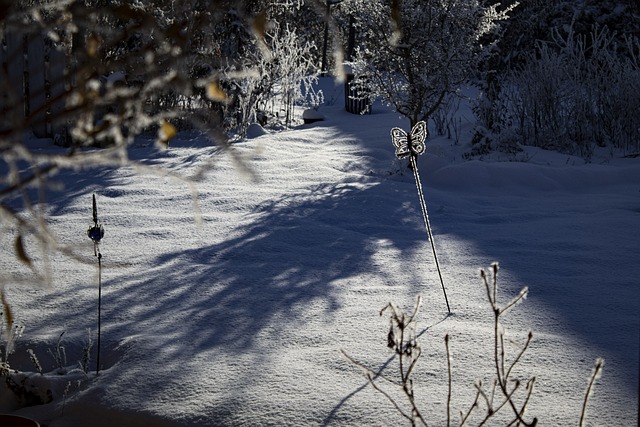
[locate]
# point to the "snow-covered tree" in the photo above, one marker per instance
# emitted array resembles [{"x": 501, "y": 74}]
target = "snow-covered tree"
[
  {"x": 276, "y": 73},
  {"x": 414, "y": 53}
]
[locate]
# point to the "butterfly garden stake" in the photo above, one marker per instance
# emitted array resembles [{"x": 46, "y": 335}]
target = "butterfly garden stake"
[
  {"x": 96, "y": 233},
  {"x": 412, "y": 146}
]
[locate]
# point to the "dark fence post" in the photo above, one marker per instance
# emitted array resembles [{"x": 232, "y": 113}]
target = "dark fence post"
[
  {"x": 12, "y": 100},
  {"x": 32, "y": 84},
  {"x": 37, "y": 93},
  {"x": 56, "y": 77},
  {"x": 356, "y": 98}
]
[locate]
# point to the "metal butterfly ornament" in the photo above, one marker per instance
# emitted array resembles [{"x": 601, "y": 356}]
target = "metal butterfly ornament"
[{"x": 411, "y": 144}]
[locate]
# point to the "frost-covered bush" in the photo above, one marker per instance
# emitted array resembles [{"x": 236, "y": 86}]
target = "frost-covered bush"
[
  {"x": 416, "y": 53},
  {"x": 294, "y": 69},
  {"x": 572, "y": 94},
  {"x": 273, "y": 73},
  {"x": 276, "y": 78}
]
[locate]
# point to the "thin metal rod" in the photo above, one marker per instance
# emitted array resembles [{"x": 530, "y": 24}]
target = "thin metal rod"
[
  {"x": 425, "y": 215},
  {"x": 99, "y": 307}
]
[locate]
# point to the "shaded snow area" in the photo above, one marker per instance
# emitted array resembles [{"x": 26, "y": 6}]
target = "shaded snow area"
[{"x": 234, "y": 311}]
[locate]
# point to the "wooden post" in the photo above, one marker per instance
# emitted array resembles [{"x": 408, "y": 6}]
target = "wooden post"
[
  {"x": 56, "y": 75},
  {"x": 37, "y": 94},
  {"x": 13, "y": 102},
  {"x": 4, "y": 86}
]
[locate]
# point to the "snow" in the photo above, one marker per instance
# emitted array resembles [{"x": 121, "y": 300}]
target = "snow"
[
  {"x": 234, "y": 310},
  {"x": 310, "y": 116},
  {"x": 254, "y": 130}
]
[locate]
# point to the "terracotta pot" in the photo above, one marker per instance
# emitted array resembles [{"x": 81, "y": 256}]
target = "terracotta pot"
[{"x": 17, "y": 421}]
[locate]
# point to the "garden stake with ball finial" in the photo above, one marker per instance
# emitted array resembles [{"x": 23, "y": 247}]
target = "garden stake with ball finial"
[{"x": 96, "y": 233}]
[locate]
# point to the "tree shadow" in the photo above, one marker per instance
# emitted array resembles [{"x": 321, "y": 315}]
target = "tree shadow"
[
  {"x": 285, "y": 259},
  {"x": 331, "y": 416},
  {"x": 261, "y": 277}
]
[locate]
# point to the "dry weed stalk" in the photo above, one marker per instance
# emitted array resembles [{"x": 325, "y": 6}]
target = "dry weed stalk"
[{"x": 507, "y": 393}]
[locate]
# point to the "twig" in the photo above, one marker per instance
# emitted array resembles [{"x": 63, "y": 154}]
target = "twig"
[
  {"x": 502, "y": 374},
  {"x": 594, "y": 376},
  {"x": 463, "y": 418}
]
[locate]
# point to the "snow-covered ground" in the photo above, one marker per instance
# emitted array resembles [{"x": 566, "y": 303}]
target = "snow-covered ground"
[{"x": 234, "y": 312}]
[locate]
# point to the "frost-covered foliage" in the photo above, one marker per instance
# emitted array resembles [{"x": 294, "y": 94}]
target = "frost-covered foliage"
[
  {"x": 537, "y": 20},
  {"x": 293, "y": 67},
  {"x": 278, "y": 76},
  {"x": 416, "y": 52},
  {"x": 561, "y": 78},
  {"x": 573, "y": 93},
  {"x": 135, "y": 67},
  {"x": 152, "y": 48}
]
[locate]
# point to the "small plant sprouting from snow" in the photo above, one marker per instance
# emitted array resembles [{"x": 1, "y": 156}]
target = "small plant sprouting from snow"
[
  {"x": 59, "y": 355},
  {"x": 34, "y": 359},
  {"x": 86, "y": 354}
]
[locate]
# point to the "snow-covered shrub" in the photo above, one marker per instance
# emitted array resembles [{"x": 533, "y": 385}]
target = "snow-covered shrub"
[
  {"x": 83, "y": 363},
  {"x": 541, "y": 101},
  {"x": 293, "y": 69},
  {"x": 417, "y": 53},
  {"x": 444, "y": 118},
  {"x": 272, "y": 80},
  {"x": 571, "y": 94},
  {"x": 59, "y": 355}
]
